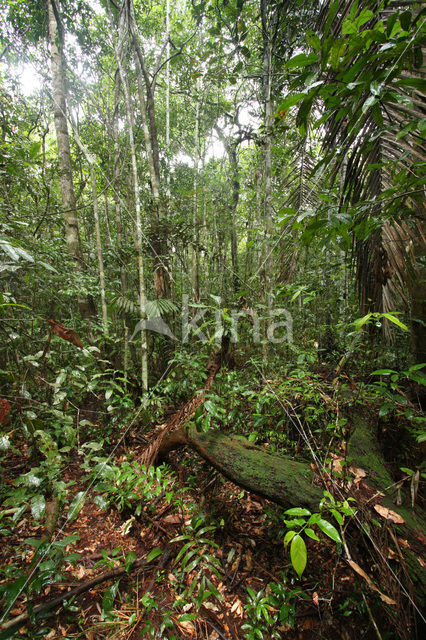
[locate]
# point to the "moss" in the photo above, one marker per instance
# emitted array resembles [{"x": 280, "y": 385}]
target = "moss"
[
  {"x": 279, "y": 478},
  {"x": 364, "y": 449}
]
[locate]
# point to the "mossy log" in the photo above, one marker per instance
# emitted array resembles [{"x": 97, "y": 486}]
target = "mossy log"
[
  {"x": 290, "y": 483},
  {"x": 278, "y": 478}
]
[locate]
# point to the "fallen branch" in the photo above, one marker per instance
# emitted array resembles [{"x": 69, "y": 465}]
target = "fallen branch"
[
  {"x": 179, "y": 418},
  {"x": 7, "y": 627}
]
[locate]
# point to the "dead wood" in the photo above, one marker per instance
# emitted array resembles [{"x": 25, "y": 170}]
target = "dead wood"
[
  {"x": 180, "y": 417},
  {"x": 17, "y": 622}
]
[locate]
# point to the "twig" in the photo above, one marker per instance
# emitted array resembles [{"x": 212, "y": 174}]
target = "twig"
[
  {"x": 20, "y": 620},
  {"x": 373, "y": 622}
]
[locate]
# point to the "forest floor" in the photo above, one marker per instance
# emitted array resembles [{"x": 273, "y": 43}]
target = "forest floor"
[{"x": 245, "y": 546}]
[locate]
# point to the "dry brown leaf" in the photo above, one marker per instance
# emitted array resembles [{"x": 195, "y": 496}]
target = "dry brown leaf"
[
  {"x": 237, "y": 608},
  {"x": 369, "y": 581},
  {"x": 173, "y": 518},
  {"x": 422, "y": 563},
  {"x": 187, "y": 626},
  {"x": 403, "y": 543},
  {"x": 358, "y": 472},
  {"x": 79, "y": 573},
  {"x": 249, "y": 561},
  {"x": 389, "y": 514}
]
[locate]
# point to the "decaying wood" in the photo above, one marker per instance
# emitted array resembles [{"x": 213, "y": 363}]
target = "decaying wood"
[
  {"x": 24, "y": 618},
  {"x": 181, "y": 416},
  {"x": 278, "y": 478},
  {"x": 290, "y": 483}
]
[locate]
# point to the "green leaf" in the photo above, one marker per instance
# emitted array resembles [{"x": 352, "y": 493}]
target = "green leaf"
[
  {"x": 34, "y": 150},
  {"x": 392, "y": 318},
  {"x": 405, "y": 19},
  {"x": 298, "y": 511},
  {"x": 301, "y": 60},
  {"x": 416, "y": 367},
  {"x": 109, "y": 596},
  {"x": 101, "y": 502},
  {"x": 383, "y": 372},
  {"x": 130, "y": 560},
  {"x": 12, "y": 592},
  {"x": 298, "y": 554},
  {"x": 38, "y": 506},
  {"x": 338, "y": 516},
  {"x": 329, "y": 530},
  {"x": 288, "y": 536},
  {"x": 371, "y": 100},
  {"x": 360, "y": 322},
  {"x": 311, "y": 534},
  {"x": 154, "y": 554},
  {"x": 290, "y": 101},
  {"x": 76, "y": 505}
]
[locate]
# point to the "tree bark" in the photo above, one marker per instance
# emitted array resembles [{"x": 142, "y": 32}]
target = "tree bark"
[
  {"x": 72, "y": 233},
  {"x": 147, "y": 103},
  {"x": 142, "y": 294},
  {"x": 289, "y": 483},
  {"x": 280, "y": 479}
]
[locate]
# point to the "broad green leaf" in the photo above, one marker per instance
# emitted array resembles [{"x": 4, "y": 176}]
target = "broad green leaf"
[
  {"x": 338, "y": 516},
  {"x": 329, "y": 530},
  {"x": 416, "y": 367},
  {"x": 154, "y": 554},
  {"x": 360, "y": 322},
  {"x": 76, "y": 505},
  {"x": 101, "y": 502},
  {"x": 288, "y": 536},
  {"x": 130, "y": 560},
  {"x": 298, "y": 511},
  {"x": 38, "y": 506},
  {"x": 302, "y": 60},
  {"x": 109, "y": 596},
  {"x": 290, "y": 101},
  {"x": 298, "y": 554},
  {"x": 392, "y": 318},
  {"x": 383, "y": 372},
  {"x": 13, "y": 591},
  {"x": 311, "y": 534}
]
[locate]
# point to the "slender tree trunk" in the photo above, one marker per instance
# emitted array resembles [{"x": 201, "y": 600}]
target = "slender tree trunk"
[
  {"x": 99, "y": 248},
  {"x": 233, "y": 161},
  {"x": 267, "y": 77},
  {"x": 195, "y": 276},
  {"x": 168, "y": 93},
  {"x": 72, "y": 233},
  {"x": 99, "y": 255},
  {"x": 147, "y": 103},
  {"x": 141, "y": 275}
]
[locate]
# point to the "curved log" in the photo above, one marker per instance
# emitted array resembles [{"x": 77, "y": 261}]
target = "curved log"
[
  {"x": 289, "y": 483},
  {"x": 278, "y": 478}
]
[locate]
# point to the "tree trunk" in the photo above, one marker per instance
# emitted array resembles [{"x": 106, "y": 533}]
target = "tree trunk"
[
  {"x": 195, "y": 275},
  {"x": 72, "y": 233},
  {"x": 142, "y": 294},
  {"x": 294, "y": 484},
  {"x": 282, "y": 480},
  {"x": 147, "y": 103}
]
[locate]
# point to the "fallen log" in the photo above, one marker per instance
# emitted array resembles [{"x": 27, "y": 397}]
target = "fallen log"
[
  {"x": 278, "y": 478},
  {"x": 290, "y": 483}
]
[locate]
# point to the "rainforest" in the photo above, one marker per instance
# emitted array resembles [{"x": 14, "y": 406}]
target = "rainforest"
[{"x": 212, "y": 319}]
